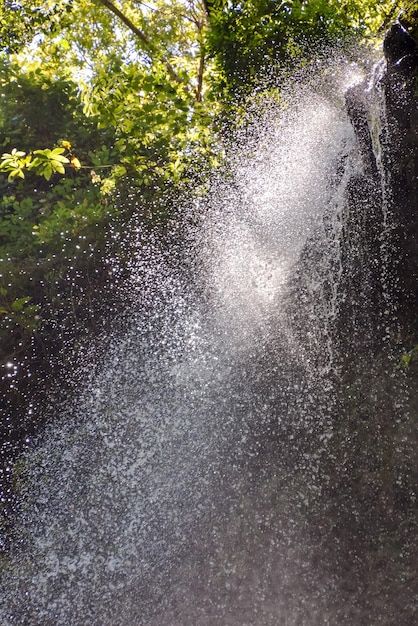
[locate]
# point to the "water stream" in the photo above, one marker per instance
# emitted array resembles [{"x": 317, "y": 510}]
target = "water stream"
[{"x": 184, "y": 489}]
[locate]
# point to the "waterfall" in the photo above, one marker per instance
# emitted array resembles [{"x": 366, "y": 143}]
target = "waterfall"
[{"x": 196, "y": 481}]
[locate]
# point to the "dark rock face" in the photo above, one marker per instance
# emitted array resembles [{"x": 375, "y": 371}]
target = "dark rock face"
[
  {"x": 372, "y": 471},
  {"x": 400, "y": 159},
  {"x": 398, "y": 44},
  {"x": 366, "y": 521},
  {"x": 382, "y": 203}
]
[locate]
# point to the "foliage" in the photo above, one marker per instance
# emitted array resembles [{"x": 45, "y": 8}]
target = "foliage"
[
  {"x": 21, "y": 20},
  {"x": 409, "y": 18},
  {"x": 43, "y": 162},
  {"x": 407, "y": 358}
]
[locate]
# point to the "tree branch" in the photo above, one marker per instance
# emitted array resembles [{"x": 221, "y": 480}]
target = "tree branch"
[
  {"x": 201, "y": 21},
  {"x": 140, "y": 34},
  {"x": 199, "y": 88}
]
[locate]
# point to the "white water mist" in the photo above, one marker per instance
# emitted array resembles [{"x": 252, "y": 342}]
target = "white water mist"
[{"x": 165, "y": 502}]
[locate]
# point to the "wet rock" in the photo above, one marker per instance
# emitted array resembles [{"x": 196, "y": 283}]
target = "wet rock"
[
  {"x": 356, "y": 107},
  {"x": 398, "y": 44}
]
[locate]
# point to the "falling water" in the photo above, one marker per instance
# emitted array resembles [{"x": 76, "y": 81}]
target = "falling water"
[{"x": 183, "y": 489}]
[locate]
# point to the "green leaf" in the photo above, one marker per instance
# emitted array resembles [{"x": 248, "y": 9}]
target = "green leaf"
[
  {"x": 57, "y": 167},
  {"x": 48, "y": 171},
  {"x": 56, "y": 155},
  {"x": 19, "y": 304}
]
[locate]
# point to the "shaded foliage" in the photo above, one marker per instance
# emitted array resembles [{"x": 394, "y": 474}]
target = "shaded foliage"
[{"x": 247, "y": 39}]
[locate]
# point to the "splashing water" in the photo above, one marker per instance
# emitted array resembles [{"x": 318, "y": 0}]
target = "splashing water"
[{"x": 180, "y": 493}]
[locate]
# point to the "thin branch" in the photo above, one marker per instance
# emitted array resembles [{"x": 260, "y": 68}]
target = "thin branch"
[
  {"x": 140, "y": 34},
  {"x": 137, "y": 31},
  {"x": 201, "y": 70},
  {"x": 201, "y": 21}
]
